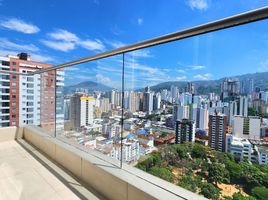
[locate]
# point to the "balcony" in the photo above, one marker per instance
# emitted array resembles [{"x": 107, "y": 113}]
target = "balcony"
[
  {"x": 101, "y": 126},
  {"x": 37, "y": 166}
]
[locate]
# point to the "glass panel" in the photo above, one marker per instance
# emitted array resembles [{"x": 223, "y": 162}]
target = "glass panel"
[
  {"x": 89, "y": 101},
  {"x": 47, "y": 101},
  {"x": 190, "y": 101}
]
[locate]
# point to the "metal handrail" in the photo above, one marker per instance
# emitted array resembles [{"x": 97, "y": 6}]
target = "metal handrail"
[{"x": 236, "y": 20}]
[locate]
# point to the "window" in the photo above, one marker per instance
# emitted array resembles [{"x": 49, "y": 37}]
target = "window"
[
  {"x": 14, "y": 90},
  {"x": 14, "y": 84},
  {"x": 13, "y": 96},
  {"x": 14, "y": 63},
  {"x": 14, "y": 77},
  {"x": 30, "y": 79},
  {"x": 14, "y": 70},
  {"x": 13, "y": 116},
  {"x": 13, "y": 123},
  {"x": 5, "y": 63},
  {"x": 13, "y": 104}
]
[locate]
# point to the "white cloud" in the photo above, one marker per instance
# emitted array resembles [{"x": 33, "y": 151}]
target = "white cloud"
[
  {"x": 65, "y": 41},
  {"x": 7, "y": 44},
  {"x": 181, "y": 78},
  {"x": 64, "y": 35},
  {"x": 263, "y": 66},
  {"x": 145, "y": 53},
  {"x": 59, "y": 45},
  {"x": 41, "y": 58},
  {"x": 92, "y": 45},
  {"x": 140, "y": 21},
  {"x": 72, "y": 69},
  {"x": 19, "y": 25},
  {"x": 104, "y": 80},
  {"x": 198, "y": 4},
  {"x": 137, "y": 66},
  {"x": 166, "y": 70},
  {"x": 35, "y": 57},
  {"x": 197, "y": 67},
  {"x": 180, "y": 70},
  {"x": 206, "y": 76},
  {"x": 116, "y": 44}
]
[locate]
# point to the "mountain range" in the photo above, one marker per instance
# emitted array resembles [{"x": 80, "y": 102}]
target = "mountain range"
[
  {"x": 202, "y": 87},
  {"x": 88, "y": 85}
]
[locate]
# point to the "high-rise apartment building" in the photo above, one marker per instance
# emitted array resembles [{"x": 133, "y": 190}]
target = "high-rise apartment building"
[
  {"x": 230, "y": 88},
  {"x": 174, "y": 93},
  {"x": 233, "y": 110},
  {"x": 28, "y": 99},
  {"x": 75, "y": 108},
  {"x": 243, "y": 106},
  {"x": 148, "y": 101},
  {"x": 81, "y": 110},
  {"x": 185, "y": 131},
  {"x": 202, "y": 118},
  {"x": 190, "y": 88},
  {"x": 217, "y": 131},
  {"x": 156, "y": 102},
  {"x": 247, "y": 127},
  {"x": 87, "y": 110},
  {"x": 181, "y": 112}
]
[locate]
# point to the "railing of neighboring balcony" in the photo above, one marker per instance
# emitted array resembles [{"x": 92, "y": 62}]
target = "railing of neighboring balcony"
[{"x": 98, "y": 98}]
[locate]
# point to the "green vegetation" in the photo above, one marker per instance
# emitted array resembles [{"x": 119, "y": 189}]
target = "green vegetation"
[
  {"x": 261, "y": 193},
  {"x": 200, "y": 169},
  {"x": 239, "y": 196},
  {"x": 210, "y": 191},
  {"x": 163, "y": 173},
  {"x": 252, "y": 112},
  {"x": 217, "y": 173}
]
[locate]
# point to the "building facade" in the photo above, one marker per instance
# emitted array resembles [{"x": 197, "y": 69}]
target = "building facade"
[
  {"x": 185, "y": 131},
  {"x": 217, "y": 131}
]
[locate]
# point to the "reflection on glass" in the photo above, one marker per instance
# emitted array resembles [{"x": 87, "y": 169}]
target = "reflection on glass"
[
  {"x": 47, "y": 101},
  {"x": 89, "y": 105},
  {"x": 195, "y": 108}
]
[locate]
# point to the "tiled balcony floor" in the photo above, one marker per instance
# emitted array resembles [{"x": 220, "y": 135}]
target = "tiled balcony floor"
[{"x": 27, "y": 174}]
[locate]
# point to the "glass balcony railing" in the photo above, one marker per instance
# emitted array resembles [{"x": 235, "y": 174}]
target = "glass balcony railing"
[{"x": 190, "y": 108}]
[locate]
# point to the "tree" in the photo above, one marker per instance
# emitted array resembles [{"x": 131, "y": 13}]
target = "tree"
[
  {"x": 252, "y": 175},
  {"x": 182, "y": 150},
  {"x": 199, "y": 151},
  {"x": 261, "y": 193},
  {"x": 210, "y": 191},
  {"x": 189, "y": 183},
  {"x": 239, "y": 196},
  {"x": 217, "y": 173},
  {"x": 235, "y": 171},
  {"x": 153, "y": 160},
  {"x": 141, "y": 166},
  {"x": 163, "y": 173}
]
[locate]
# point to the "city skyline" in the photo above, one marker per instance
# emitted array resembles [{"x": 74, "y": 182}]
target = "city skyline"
[
  {"x": 192, "y": 112},
  {"x": 205, "y": 57}
]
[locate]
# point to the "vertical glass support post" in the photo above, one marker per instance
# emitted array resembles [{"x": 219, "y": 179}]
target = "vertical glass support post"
[
  {"x": 122, "y": 114},
  {"x": 55, "y": 102}
]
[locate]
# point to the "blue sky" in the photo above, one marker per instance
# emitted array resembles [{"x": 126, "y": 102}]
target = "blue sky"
[{"x": 56, "y": 31}]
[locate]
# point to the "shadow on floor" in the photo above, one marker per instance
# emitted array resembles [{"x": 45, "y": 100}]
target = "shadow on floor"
[{"x": 67, "y": 183}]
